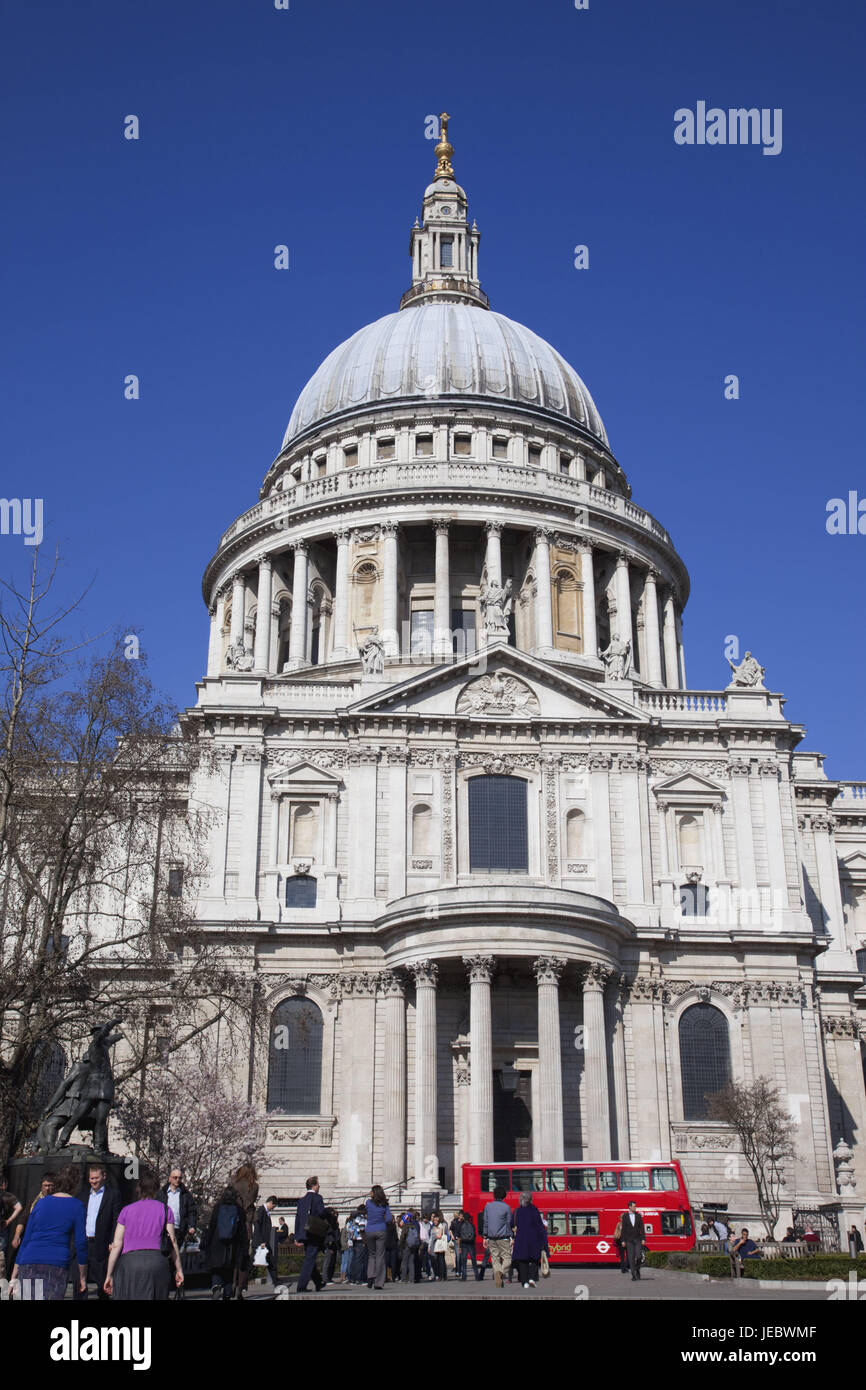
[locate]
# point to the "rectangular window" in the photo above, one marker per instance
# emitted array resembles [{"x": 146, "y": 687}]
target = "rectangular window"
[
  {"x": 564, "y": 463},
  {"x": 554, "y": 1180},
  {"x": 675, "y": 1223},
  {"x": 500, "y": 448},
  {"x": 634, "y": 1182},
  {"x": 491, "y": 1178},
  {"x": 526, "y": 1180},
  {"x": 606, "y": 1181},
  {"x": 498, "y": 832},
  {"x": 534, "y": 456},
  {"x": 424, "y": 445},
  {"x": 463, "y": 630},
  {"x": 175, "y": 883},
  {"x": 665, "y": 1180},
  {"x": 446, "y": 252},
  {"x": 462, "y": 445},
  {"x": 583, "y": 1223},
  {"x": 581, "y": 1180},
  {"x": 557, "y": 1223},
  {"x": 421, "y": 632},
  {"x": 321, "y": 467},
  {"x": 350, "y": 456},
  {"x": 384, "y": 448}
]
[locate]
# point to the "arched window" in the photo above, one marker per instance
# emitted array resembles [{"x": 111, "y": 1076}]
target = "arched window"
[
  {"x": 574, "y": 827},
  {"x": 301, "y": 891},
  {"x": 689, "y": 839},
  {"x": 705, "y": 1057},
  {"x": 295, "y": 1058},
  {"x": 498, "y": 834},
  {"x": 305, "y": 831},
  {"x": 422, "y": 830}
]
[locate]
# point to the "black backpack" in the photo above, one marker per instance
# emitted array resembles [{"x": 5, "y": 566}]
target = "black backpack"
[
  {"x": 227, "y": 1221},
  {"x": 467, "y": 1230}
]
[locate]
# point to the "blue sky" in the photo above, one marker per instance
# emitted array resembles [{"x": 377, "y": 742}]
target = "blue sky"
[{"x": 306, "y": 127}]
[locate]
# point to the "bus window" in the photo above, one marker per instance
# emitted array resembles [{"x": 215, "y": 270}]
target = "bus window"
[
  {"x": 557, "y": 1223},
  {"x": 665, "y": 1180},
  {"x": 526, "y": 1180},
  {"x": 676, "y": 1223},
  {"x": 583, "y": 1223},
  {"x": 606, "y": 1181},
  {"x": 554, "y": 1179},
  {"x": 635, "y": 1182},
  {"x": 581, "y": 1180},
  {"x": 491, "y": 1178}
]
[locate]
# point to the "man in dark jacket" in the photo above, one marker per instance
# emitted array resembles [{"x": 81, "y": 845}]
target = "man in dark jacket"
[
  {"x": 633, "y": 1237},
  {"x": 311, "y": 1208},
  {"x": 263, "y": 1235},
  {"x": 102, "y": 1204},
  {"x": 181, "y": 1205}
]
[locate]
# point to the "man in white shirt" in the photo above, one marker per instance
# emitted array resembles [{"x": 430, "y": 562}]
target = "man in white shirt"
[{"x": 101, "y": 1207}]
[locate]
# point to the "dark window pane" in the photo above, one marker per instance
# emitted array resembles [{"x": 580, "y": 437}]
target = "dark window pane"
[
  {"x": 583, "y": 1223},
  {"x": 607, "y": 1181},
  {"x": 557, "y": 1223},
  {"x": 498, "y": 839},
  {"x": 634, "y": 1182},
  {"x": 526, "y": 1180},
  {"x": 175, "y": 883},
  {"x": 463, "y": 629},
  {"x": 705, "y": 1057},
  {"x": 421, "y": 633},
  {"x": 581, "y": 1180},
  {"x": 446, "y": 248},
  {"x": 295, "y": 1058},
  {"x": 491, "y": 1178},
  {"x": 675, "y": 1223},
  {"x": 693, "y": 899},
  {"x": 664, "y": 1180},
  {"x": 301, "y": 891},
  {"x": 554, "y": 1180}
]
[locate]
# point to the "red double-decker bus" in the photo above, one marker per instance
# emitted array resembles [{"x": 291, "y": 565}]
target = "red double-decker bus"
[{"x": 582, "y": 1202}]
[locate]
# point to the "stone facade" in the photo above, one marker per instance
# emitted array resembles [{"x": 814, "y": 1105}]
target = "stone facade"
[{"x": 445, "y": 579}]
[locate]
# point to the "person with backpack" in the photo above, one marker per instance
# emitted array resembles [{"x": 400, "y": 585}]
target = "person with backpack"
[
  {"x": 311, "y": 1228},
  {"x": 332, "y": 1245},
  {"x": 379, "y": 1218},
  {"x": 225, "y": 1242},
  {"x": 410, "y": 1248},
  {"x": 463, "y": 1231},
  {"x": 357, "y": 1230}
]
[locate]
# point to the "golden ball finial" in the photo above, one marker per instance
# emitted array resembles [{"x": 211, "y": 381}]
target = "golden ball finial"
[{"x": 444, "y": 150}]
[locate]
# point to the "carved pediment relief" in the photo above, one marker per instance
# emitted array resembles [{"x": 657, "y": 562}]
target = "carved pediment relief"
[{"x": 497, "y": 693}]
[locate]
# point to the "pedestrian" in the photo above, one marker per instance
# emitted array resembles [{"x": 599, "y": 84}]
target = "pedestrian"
[
  {"x": 284, "y": 1235},
  {"x": 143, "y": 1227},
  {"x": 743, "y": 1249},
  {"x": 811, "y": 1237},
  {"x": 424, "y": 1262},
  {"x": 345, "y": 1251},
  {"x": 620, "y": 1247},
  {"x": 181, "y": 1204},
  {"x": 102, "y": 1212},
  {"x": 311, "y": 1227},
  {"x": 360, "y": 1253},
  {"x": 723, "y": 1233},
  {"x": 497, "y": 1225},
  {"x": 633, "y": 1235},
  {"x": 530, "y": 1238},
  {"x": 440, "y": 1237},
  {"x": 855, "y": 1243},
  {"x": 46, "y": 1187},
  {"x": 465, "y": 1237},
  {"x": 410, "y": 1244},
  {"x": 225, "y": 1242},
  {"x": 331, "y": 1246},
  {"x": 263, "y": 1235},
  {"x": 56, "y": 1218},
  {"x": 379, "y": 1217},
  {"x": 10, "y": 1207}
]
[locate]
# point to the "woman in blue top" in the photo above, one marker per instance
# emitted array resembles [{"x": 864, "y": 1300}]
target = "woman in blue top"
[
  {"x": 378, "y": 1217},
  {"x": 43, "y": 1257}
]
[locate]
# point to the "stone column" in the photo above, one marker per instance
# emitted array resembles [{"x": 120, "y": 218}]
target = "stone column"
[
  {"x": 340, "y": 649},
  {"x": 620, "y": 1080},
  {"x": 298, "y": 633},
  {"x": 622, "y": 623},
  {"x": 543, "y": 604},
  {"x": 493, "y": 556},
  {"x": 481, "y": 1061},
  {"x": 551, "y": 1130},
  {"x": 425, "y": 974},
  {"x": 681, "y": 651},
  {"x": 672, "y": 678},
  {"x": 390, "y": 633},
  {"x": 830, "y": 890},
  {"x": 651, "y": 628},
  {"x": 263, "y": 615},
  {"x": 394, "y": 1108},
  {"x": 746, "y": 873},
  {"x": 239, "y": 601},
  {"x": 587, "y": 579},
  {"x": 274, "y": 653},
  {"x": 768, "y": 771},
  {"x": 595, "y": 1054},
  {"x": 442, "y": 593},
  {"x": 215, "y": 644}
]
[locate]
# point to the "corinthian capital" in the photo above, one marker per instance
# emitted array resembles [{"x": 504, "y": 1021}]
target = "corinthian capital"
[
  {"x": 480, "y": 969},
  {"x": 548, "y": 969},
  {"x": 424, "y": 973}
]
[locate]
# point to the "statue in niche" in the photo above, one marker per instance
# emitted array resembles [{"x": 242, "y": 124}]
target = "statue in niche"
[
  {"x": 239, "y": 657},
  {"x": 495, "y": 600},
  {"x": 372, "y": 654},
  {"x": 616, "y": 658},
  {"x": 749, "y": 674}
]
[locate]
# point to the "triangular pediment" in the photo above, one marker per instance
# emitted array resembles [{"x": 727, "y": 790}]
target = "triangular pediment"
[
  {"x": 500, "y": 684},
  {"x": 298, "y": 772},
  {"x": 855, "y": 863},
  {"x": 688, "y": 784}
]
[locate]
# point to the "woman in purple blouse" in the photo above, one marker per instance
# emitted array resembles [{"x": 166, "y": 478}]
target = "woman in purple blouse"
[{"x": 143, "y": 1272}]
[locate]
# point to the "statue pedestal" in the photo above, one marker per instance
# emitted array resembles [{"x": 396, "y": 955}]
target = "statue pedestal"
[{"x": 24, "y": 1175}]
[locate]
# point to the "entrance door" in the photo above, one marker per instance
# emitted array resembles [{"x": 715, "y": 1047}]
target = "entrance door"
[{"x": 512, "y": 1120}]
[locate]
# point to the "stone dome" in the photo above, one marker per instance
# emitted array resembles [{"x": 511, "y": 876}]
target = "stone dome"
[{"x": 437, "y": 350}]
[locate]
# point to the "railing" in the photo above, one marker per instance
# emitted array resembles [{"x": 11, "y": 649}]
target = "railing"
[
  {"x": 424, "y": 473},
  {"x": 770, "y": 1249},
  {"x": 851, "y": 794},
  {"x": 691, "y": 702}
]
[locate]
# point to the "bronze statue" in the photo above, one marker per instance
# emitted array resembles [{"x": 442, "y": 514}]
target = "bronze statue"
[{"x": 84, "y": 1097}]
